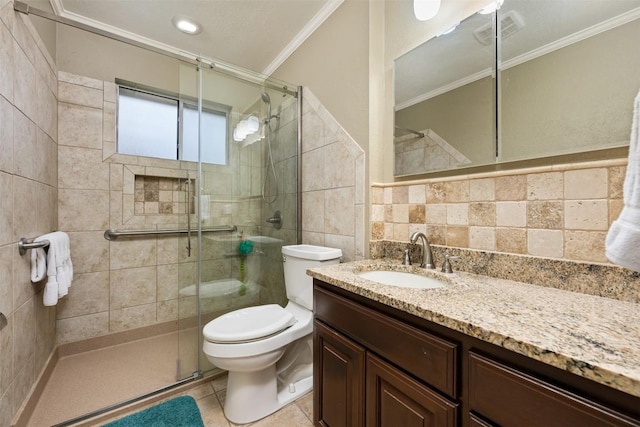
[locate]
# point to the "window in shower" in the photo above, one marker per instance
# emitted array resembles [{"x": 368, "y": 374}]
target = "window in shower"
[{"x": 156, "y": 124}]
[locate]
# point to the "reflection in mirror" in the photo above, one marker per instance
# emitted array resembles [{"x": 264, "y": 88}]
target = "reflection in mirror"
[
  {"x": 445, "y": 89},
  {"x": 568, "y": 78}
]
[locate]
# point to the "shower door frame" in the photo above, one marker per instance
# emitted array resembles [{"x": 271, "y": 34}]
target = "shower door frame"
[{"x": 199, "y": 62}]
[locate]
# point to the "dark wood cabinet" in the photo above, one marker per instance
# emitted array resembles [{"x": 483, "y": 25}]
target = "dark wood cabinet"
[
  {"x": 475, "y": 421},
  {"x": 338, "y": 379},
  {"x": 507, "y": 397},
  {"x": 382, "y": 367},
  {"x": 352, "y": 381},
  {"x": 395, "y": 399}
]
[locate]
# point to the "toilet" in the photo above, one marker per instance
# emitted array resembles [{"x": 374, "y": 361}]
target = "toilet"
[{"x": 267, "y": 349}]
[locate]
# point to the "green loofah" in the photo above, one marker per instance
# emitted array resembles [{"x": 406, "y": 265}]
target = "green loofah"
[{"x": 245, "y": 247}]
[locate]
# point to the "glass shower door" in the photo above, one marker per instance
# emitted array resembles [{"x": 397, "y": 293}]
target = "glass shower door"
[{"x": 256, "y": 177}]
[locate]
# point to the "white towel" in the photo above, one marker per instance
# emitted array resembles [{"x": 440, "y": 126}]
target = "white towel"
[
  {"x": 59, "y": 269},
  {"x": 623, "y": 239}
]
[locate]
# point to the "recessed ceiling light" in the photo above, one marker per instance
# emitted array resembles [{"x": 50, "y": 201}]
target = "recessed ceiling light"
[{"x": 186, "y": 24}]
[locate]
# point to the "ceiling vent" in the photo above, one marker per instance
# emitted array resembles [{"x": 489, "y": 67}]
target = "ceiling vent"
[{"x": 510, "y": 23}]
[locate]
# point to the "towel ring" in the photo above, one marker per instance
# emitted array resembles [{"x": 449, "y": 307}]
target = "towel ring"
[{"x": 25, "y": 244}]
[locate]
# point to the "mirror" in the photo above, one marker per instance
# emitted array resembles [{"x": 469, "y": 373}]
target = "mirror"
[
  {"x": 566, "y": 83},
  {"x": 445, "y": 89}
]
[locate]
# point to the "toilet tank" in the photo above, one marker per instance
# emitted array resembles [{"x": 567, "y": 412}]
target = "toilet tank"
[{"x": 297, "y": 259}]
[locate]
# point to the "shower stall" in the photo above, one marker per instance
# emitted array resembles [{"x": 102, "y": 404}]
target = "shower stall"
[
  {"x": 256, "y": 192},
  {"x": 193, "y": 231}
]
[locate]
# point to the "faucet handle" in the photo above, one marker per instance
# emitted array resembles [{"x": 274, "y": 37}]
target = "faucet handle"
[
  {"x": 405, "y": 258},
  {"x": 446, "y": 265}
]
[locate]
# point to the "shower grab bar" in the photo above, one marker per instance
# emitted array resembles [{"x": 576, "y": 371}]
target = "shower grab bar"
[
  {"x": 112, "y": 234},
  {"x": 25, "y": 244},
  {"x": 415, "y": 132}
]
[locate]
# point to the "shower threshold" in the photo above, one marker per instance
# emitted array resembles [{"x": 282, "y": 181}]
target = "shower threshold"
[{"x": 128, "y": 404}]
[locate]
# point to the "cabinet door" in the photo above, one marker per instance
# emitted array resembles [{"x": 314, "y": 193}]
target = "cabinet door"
[
  {"x": 338, "y": 379},
  {"x": 477, "y": 422},
  {"x": 393, "y": 399},
  {"x": 509, "y": 397}
]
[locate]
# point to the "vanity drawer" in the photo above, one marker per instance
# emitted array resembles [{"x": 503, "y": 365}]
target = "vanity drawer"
[
  {"x": 509, "y": 397},
  {"x": 425, "y": 356}
]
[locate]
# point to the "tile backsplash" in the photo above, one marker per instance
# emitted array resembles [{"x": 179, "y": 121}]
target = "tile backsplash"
[{"x": 559, "y": 212}]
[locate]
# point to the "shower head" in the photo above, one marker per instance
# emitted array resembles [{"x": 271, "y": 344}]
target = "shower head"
[{"x": 265, "y": 98}]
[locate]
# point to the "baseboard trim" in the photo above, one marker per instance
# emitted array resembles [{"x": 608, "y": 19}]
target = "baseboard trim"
[
  {"x": 116, "y": 338},
  {"x": 24, "y": 413}
]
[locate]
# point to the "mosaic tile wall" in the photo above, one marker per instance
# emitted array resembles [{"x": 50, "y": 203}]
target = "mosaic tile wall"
[{"x": 155, "y": 195}]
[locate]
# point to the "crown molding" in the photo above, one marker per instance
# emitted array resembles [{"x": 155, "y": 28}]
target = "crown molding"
[
  {"x": 594, "y": 30},
  {"x": 303, "y": 35},
  {"x": 307, "y": 30},
  {"x": 92, "y": 23},
  {"x": 444, "y": 89}
]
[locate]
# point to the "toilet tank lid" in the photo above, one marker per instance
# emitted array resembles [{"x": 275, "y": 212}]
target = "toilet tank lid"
[{"x": 316, "y": 253}]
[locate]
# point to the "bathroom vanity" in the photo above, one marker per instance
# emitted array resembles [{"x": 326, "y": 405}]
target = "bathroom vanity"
[{"x": 478, "y": 352}]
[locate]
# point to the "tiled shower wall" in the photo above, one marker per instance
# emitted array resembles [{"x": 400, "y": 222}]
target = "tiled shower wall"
[
  {"x": 560, "y": 212},
  {"x": 28, "y": 202},
  {"x": 333, "y": 179},
  {"x": 130, "y": 283}
]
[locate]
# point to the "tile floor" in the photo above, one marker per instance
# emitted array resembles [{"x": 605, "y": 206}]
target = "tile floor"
[
  {"x": 85, "y": 382},
  {"x": 210, "y": 398}
]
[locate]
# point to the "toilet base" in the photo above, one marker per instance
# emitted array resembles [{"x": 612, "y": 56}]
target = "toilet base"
[{"x": 251, "y": 396}]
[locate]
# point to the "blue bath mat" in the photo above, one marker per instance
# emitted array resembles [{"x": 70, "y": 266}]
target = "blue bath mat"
[{"x": 179, "y": 412}]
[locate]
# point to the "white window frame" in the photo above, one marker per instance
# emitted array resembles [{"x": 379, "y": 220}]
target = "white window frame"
[{"x": 182, "y": 102}]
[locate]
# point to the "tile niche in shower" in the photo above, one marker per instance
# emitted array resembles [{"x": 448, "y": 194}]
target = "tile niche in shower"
[{"x": 162, "y": 195}]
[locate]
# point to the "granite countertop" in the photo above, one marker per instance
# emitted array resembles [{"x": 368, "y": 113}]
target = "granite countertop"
[{"x": 594, "y": 337}]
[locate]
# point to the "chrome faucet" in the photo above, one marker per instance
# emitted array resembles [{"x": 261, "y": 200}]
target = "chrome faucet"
[{"x": 427, "y": 255}]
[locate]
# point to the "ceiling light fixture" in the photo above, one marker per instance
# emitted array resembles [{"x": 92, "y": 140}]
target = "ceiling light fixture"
[
  {"x": 425, "y": 9},
  {"x": 186, "y": 24}
]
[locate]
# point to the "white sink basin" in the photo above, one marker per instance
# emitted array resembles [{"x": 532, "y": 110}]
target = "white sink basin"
[{"x": 403, "y": 280}]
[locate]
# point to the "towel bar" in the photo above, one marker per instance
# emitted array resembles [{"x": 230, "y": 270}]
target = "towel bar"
[{"x": 25, "y": 244}]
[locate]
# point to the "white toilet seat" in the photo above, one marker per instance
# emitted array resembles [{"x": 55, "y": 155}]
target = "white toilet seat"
[
  {"x": 302, "y": 325},
  {"x": 248, "y": 324}
]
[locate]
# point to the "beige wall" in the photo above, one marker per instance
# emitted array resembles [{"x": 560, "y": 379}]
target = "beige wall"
[
  {"x": 573, "y": 99},
  {"x": 334, "y": 63},
  {"x": 470, "y": 130},
  {"x": 91, "y": 55},
  {"x": 28, "y": 202},
  {"x": 333, "y": 183}
]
